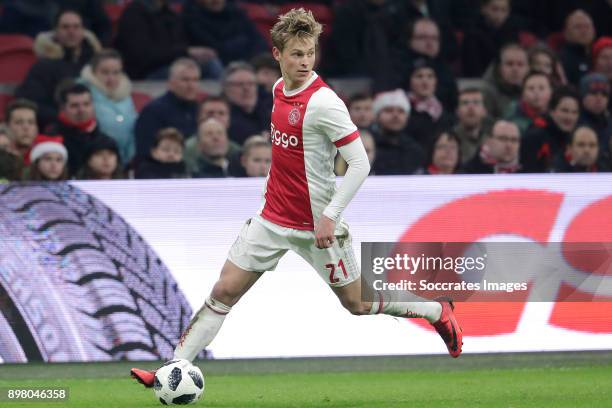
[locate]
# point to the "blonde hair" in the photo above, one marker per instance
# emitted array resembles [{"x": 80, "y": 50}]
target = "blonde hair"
[{"x": 296, "y": 23}]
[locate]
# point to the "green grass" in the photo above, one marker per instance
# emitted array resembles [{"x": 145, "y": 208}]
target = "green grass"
[{"x": 516, "y": 380}]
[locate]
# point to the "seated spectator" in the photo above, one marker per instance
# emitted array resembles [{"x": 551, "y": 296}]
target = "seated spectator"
[
  {"x": 250, "y": 115},
  {"x": 151, "y": 36},
  {"x": 396, "y": 151},
  {"x": 256, "y": 156},
  {"x": 542, "y": 144},
  {"x": 30, "y": 17},
  {"x": 579, "y": 33},
  {"x": 369, "y": 145},
  {"x": 472, "y": 122},
  {"x": 360, "y": 110},
  {"x": 581, "y": 153},
  {"x": 215, "y": 107},
  {"x": 267, "y": 71},
  {"x": 504, "y": 79},
  {"x": 543, "y": 59},
  {"x": 20, "y": 116},
  {"x": 423, "y": 41},
  {"x": 62, "y": 54},
  {"x": 111, "y": 91},
  {"x": 602, "y": 57},
  {"x": 360, "y": 37},
  {"x": 494, "y": 27},
  {"x": 535, "y": 97},
  {"x": 5, "y": 139},
  {"x": 48, "y": 159},
  {"x": 216, "y": 151},
  {"x": 177, "y": 108},
  {"x": 499, "y": 153},
  {"x": 427, "y": 112},
  {"x": 101, "y": 161},
  {"x": 224, "y": 27},
  {"x": 595, "y": 94},
  {"x": 76, "y": 123},
  {"x": 444, "y": 154},
  {"x": 166, "y": 158}
]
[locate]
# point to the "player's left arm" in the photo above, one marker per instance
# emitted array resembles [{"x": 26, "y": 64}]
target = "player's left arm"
[{"x": 334, "y": 120}]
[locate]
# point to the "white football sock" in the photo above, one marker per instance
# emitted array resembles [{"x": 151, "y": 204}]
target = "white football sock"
[
  {"x": 202, "y": 329},
  {"x": 428, "y": 310}
]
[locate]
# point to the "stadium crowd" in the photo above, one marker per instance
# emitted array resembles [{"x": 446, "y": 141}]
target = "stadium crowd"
[{"x": 534, "y": 95}]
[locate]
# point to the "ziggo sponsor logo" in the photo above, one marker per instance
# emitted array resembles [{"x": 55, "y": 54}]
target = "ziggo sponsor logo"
[{"x": 282, "y": 139}]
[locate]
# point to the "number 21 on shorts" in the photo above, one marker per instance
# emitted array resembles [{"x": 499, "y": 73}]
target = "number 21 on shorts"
[{"x": 332, "y": 271}]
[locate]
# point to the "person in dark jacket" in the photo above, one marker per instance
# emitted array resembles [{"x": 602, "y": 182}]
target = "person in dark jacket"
[
  {"x": 77, "y": 123},
  {"x": 494, "y": 27},
  {"x": 224, "y": 27},
  {"x": 101, "y": 160},
  {"x": 250, "y": 114},
  {"x": 581, "y": 154},
  {"x": 166, "y": 158},
  {"x": 151, "y": 36},
  {"x": 217, "y": 154},
  {"x": 595, "y": 94},
  {"x": 423, "y": 41},
  {"x": 177, "y": 108},
  {"x": 396, "y": 151},
  {"x": 542, "y": 144},
  {"x": 62, "y": 54},
  {"x": 579, "y": 34},
  {"x": 31, "y": 17},
  {"x": 499, "y": 153}
]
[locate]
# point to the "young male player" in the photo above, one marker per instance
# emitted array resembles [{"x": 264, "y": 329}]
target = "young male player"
[{"x": 301, "y": 207}]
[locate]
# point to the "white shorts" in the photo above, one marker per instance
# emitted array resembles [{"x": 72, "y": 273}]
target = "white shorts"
[{"x": 261, "y": 244}]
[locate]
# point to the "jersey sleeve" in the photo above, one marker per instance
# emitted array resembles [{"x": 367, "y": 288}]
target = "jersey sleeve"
[{"x": 332, "y": 117}]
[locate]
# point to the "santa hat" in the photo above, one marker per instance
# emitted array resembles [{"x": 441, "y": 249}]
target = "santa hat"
[
  {"x": 47, "y": 144},
  {"x": 396, "y": 98},
  {"x": 599, "y": 45}
]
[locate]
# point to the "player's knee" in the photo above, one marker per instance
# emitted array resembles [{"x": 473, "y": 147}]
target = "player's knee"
[
  {"x": 355, "y": 306},
  {"x": 225, "y": 293}
]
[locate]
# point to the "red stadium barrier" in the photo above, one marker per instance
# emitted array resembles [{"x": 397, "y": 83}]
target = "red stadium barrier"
[{"x": 16, "y": 57}]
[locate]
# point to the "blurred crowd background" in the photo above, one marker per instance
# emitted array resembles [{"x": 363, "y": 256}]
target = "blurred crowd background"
[{"x": 93, "y": 89}]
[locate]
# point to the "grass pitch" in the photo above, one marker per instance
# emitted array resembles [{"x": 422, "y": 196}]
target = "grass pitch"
[{"x": 509, "y": 380}]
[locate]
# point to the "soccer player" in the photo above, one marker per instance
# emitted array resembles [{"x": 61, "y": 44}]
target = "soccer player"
[{"x": 301, "y": 207}]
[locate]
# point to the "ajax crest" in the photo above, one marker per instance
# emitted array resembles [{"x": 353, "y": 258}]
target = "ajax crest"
[{"x": 294, "y": 116}]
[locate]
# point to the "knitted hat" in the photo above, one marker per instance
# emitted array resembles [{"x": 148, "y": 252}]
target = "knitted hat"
[
  {"x": 387, "y": 99},
  {"x": 593, "y": 83},
  {"x": 47, "y": 144},
  {"x": 420, "y": 63},
  {"x": 599, "y": 45},
  {"x": 101, "y": 142}
]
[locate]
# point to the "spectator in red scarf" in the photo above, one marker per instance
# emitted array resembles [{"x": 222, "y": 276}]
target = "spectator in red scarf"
[
  {"x": 499, "y": 153},
  {"x": 444, "y": 154},
  {"x": 581, "y": 154},
  {"x": 76, "y": 123},
  {"x": 535, "y": 97},
  {"x": 541, "y": 144}
]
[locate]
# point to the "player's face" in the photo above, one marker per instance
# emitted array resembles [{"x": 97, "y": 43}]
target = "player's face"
[{"x": 296, "y": 61}]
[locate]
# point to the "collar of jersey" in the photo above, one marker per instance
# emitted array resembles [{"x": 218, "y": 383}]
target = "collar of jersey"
[{"x": 301, "y": 88}]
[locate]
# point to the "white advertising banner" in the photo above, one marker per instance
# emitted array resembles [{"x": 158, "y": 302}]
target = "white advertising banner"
[{"x": 191, "y": 224}]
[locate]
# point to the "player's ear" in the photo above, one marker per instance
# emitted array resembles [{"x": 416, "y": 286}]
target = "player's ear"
[{"x": 276, "y": 53}]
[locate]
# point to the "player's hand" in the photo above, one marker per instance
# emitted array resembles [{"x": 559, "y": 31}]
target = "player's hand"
[{"x": 324, "y": 232}]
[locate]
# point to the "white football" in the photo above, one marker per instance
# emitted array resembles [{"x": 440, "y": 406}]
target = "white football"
[{"x": 178, "y": 382}]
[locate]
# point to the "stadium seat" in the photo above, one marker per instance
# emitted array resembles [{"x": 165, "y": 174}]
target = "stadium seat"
[
  {"x": 114, "y": 11},
  {"x": 140, "y": 100},
  {"x": 16, "y": 57},
  {"x": 5, "y": 99}
]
